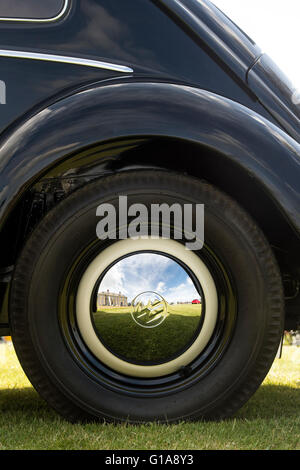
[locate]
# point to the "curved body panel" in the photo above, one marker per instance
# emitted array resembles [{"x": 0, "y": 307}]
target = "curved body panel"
[
  {"x": 135, "y": 109},
  {"x": 168, "y": 40},
  {"x": 276, "y": 93}
]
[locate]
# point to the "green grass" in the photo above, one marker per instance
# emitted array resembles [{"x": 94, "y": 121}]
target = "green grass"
[
  {"x": 270, "y": 420},
  {"x": 129, "y": 340},
  {"x": 191, "y": 310}
]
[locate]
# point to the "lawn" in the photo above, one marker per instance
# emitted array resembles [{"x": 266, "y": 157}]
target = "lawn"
[
  {"x": 127, "y": 339},
  {"x": 270, "y": 420}
]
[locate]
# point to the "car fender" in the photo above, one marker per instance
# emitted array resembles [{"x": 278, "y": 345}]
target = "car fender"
[{"x": 115, "y": 110}]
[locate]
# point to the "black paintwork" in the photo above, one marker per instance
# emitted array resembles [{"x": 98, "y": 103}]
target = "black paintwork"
[
  {"x": 134, "y": 32},
  {"x": 199, "y": 84}
]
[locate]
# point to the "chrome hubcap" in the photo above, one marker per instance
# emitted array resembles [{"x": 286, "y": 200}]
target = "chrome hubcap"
[{"x": 147, "y": 307}]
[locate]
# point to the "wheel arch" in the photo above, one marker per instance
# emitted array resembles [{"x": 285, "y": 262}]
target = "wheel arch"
[
  {"x": 64, "y": 131},
  {"x": 195, "y": 160}
]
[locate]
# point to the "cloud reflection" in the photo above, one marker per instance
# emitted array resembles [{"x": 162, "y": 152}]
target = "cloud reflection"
[{"x": 150, "y": 272}]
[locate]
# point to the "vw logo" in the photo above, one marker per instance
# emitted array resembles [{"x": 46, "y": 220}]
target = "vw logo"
[{"x": 149, "y": 309}]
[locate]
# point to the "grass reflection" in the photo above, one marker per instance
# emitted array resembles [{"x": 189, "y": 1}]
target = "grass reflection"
[{"x": 124, "y": 337}]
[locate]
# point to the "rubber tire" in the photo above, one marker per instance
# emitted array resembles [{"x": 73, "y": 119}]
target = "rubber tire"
[{"x": 44, "y": 260}]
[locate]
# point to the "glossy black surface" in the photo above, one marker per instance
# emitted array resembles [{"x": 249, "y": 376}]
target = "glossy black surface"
[
  {"x": 138, "y": 33},
  {"x": 197, "y": 79},
  {"x": 138, "y": 109},
  {"x": 276, "y": 93},
  {"x": 221, "y": 36}
]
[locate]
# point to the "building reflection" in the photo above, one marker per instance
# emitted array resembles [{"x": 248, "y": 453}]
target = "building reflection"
[{"x": 111, "y": 299}]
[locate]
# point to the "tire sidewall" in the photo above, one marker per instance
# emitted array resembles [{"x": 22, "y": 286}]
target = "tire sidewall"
[{"x": 72, "y": 227}]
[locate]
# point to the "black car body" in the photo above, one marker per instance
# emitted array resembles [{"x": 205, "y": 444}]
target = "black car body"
[{"x": 96, "y": 88}]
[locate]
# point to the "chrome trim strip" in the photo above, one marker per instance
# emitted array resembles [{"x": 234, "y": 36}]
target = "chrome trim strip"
[
  {"x": 45, "y": 20},
  {"x": 65, "y": 59}
]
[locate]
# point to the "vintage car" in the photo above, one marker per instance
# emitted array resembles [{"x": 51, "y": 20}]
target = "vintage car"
[{"x": 162, "y": 103}]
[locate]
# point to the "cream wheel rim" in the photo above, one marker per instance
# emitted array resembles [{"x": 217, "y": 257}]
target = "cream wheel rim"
[{"x": 125, "y": 248}]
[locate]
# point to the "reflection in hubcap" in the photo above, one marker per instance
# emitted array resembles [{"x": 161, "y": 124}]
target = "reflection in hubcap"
[
  {"x": 149, "y": 309},
  {"x": 121, "y": 272},
  {"x": 146, "y": 327}
]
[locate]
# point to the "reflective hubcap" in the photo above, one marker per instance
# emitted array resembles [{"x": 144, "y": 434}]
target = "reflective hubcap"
[
  {"x": 149, "y": 309},
  {"x": 146, "y": 308}
]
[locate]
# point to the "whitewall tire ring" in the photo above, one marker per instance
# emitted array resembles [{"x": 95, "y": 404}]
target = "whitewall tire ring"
[{"x": 123, "y": 248}]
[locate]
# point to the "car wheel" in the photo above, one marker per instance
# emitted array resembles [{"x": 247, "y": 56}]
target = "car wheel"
[{"x": 103, "y": 329}]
